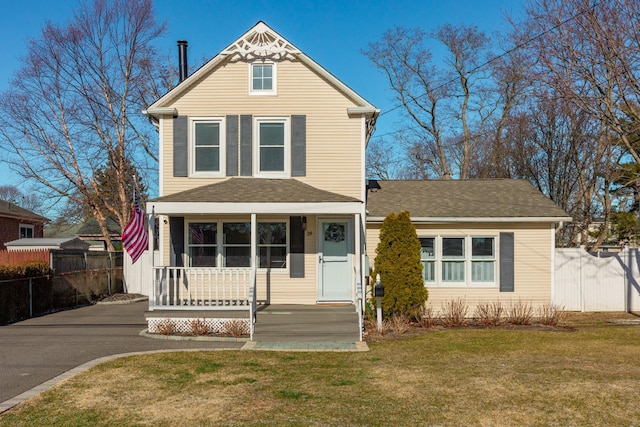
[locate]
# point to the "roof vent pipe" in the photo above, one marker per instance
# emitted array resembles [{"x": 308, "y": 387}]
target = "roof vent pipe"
[{"x": 182, "y": 57}]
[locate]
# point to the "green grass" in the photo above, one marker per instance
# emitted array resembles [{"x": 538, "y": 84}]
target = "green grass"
[{"x": 588, "y": 376}]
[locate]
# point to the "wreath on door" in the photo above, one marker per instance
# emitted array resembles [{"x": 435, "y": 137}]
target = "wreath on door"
[{"x": 334, "y": 233}]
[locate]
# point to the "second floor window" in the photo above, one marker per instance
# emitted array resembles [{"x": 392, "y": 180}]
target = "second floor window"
[
  {"x": 206, "y": 147},
  {"x": 26, "y": 231},
  {"x": 272, "y": 148}
]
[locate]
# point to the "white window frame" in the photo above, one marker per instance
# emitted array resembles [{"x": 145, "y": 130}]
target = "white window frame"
[
  {"x": 274, "y": 80},
  {"x": 468, "y": 262},
  {"x": 27, "y": 227},
  {"x": 286, "y": 173},
  {"x": 493, "y": 259},
  {"x": 192, "y": 147}
]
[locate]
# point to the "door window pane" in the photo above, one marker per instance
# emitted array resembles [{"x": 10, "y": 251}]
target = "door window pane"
[{"x": 334, "y": 236}]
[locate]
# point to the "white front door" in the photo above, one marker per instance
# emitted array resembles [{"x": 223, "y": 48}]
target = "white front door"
[{"x": 334, "y": 257}]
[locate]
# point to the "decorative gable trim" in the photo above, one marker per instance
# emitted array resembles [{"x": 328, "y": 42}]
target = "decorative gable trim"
[{"x": 261, "y": 42}]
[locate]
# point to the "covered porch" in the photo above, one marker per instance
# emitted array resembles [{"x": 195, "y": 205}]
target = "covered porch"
[{"x": 233, "y": 248}]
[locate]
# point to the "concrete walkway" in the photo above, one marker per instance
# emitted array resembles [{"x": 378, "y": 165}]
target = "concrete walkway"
[{"x": 38, "y": 353}]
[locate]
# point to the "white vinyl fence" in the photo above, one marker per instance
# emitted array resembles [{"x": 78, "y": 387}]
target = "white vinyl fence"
[
  {"x": 601, "y": 282},
  {"x": 138, "y": 277}
]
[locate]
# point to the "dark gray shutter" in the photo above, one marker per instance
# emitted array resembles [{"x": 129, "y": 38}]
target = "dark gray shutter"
[
  {"x": 246, "y": 165},
  {"x": 180, "y": 145},
  {"x": 176, "y": 241},
  {"x": 296, "y": 244},
  {"x": 506, "y": 263},
  {"x": 232, "y": 146},
  {"x": 298, "y": 145}
]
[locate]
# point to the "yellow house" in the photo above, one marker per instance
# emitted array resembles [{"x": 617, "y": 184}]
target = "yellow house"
[
  {"x": 263, "y": 198},
  {"x": 262, "y": 186}
]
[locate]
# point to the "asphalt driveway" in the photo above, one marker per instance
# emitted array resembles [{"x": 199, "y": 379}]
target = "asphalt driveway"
[{"x": 36, "y": 350}]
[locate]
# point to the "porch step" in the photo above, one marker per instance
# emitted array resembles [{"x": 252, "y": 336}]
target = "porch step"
[{"x": 304, "y": 323}]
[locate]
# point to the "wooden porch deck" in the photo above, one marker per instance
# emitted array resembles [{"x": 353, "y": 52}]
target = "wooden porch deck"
[{"x": 306, "y": 323}]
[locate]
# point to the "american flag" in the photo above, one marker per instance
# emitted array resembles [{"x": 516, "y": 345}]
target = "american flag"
[{"x": 134, "y": 237}]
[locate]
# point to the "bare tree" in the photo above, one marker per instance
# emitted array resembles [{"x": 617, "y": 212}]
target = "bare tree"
[
  {"x": 74, "y": 106},
  {"x": 449, "y": 108},
  {"x": 591, "y": 57},
  {"x": 588, "y": 53},
  {"x": 13, "y": 194}
]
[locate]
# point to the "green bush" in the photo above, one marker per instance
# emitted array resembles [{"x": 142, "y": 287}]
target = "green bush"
[
  {"x": 398, "y": 264},
  {"x": 27, "y": 269}
]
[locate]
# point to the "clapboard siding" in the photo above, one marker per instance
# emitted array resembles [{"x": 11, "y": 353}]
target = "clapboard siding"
[
  {"x": 333, "y": 139},
  {"x": 533, "y": 246}
]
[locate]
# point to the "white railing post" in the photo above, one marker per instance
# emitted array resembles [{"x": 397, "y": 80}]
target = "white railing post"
[{"x": 253, "y": 301}]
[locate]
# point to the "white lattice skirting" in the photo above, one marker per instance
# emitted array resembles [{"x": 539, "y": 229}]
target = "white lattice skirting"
[{"x": 198, "y": 326}]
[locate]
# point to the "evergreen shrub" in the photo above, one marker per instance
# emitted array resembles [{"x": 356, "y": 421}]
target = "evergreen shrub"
[{"x": 398, "y": 264}]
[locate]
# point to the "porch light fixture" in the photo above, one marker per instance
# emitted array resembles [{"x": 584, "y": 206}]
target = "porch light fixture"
[{"x": 304, "y": 223}]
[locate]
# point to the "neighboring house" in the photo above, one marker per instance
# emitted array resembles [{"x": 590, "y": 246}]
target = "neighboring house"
[
  {"x": 263, "y": 198},
  {"x": 91, "y": 233},
  {"x": 482, "y": 240},
  {"x": 262, "y": 155},
  {"x": 19, "y": 223}
]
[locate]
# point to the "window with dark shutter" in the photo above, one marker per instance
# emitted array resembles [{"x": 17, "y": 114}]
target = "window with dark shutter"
[
  {"x": 298, "y": 145},
  {"x": 507, "y": 279},
  {"x": 180, "y": 146}
]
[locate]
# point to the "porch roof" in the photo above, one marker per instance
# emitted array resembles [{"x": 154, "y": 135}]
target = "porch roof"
[{"x": 256, "y": 195}]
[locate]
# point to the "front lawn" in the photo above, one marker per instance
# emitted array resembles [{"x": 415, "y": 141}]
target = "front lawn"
[{"x": 495, "y": 377}]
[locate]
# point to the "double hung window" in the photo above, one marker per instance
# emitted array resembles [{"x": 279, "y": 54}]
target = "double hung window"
[
  {"x": 237, "y": 244},
  {"x": 202, "y": 244},
  {"x": 483, "y": 259},
  {"x": 458, "y": 261},
  {"x": 453, "y": 259},
  {"x": 428, "y": 257},
  {"x": 272, "y": 147},
  {"x": 272, "y": 244},
  {"x": 206, "y": 147}
]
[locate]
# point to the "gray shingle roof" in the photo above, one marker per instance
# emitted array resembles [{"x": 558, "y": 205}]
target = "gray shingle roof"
[
  {"x": 10, "y": 210},
  {"x": 491, "y": 198},
  {"x": 256, "y": 190},
  {"x": 91, "y": 228}
]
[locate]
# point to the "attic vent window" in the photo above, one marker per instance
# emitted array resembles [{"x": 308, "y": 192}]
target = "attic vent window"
[{"x": 262, "y": 79}]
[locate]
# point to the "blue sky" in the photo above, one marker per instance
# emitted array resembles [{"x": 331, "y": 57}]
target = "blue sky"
[{"x": 333, "y": 33}]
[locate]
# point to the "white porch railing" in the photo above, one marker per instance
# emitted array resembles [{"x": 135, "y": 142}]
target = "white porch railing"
[{"x": 201, "y": 288}]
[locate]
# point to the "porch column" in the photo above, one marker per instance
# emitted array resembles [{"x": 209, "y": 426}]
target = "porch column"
[{"x": 254, "y": 240}]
